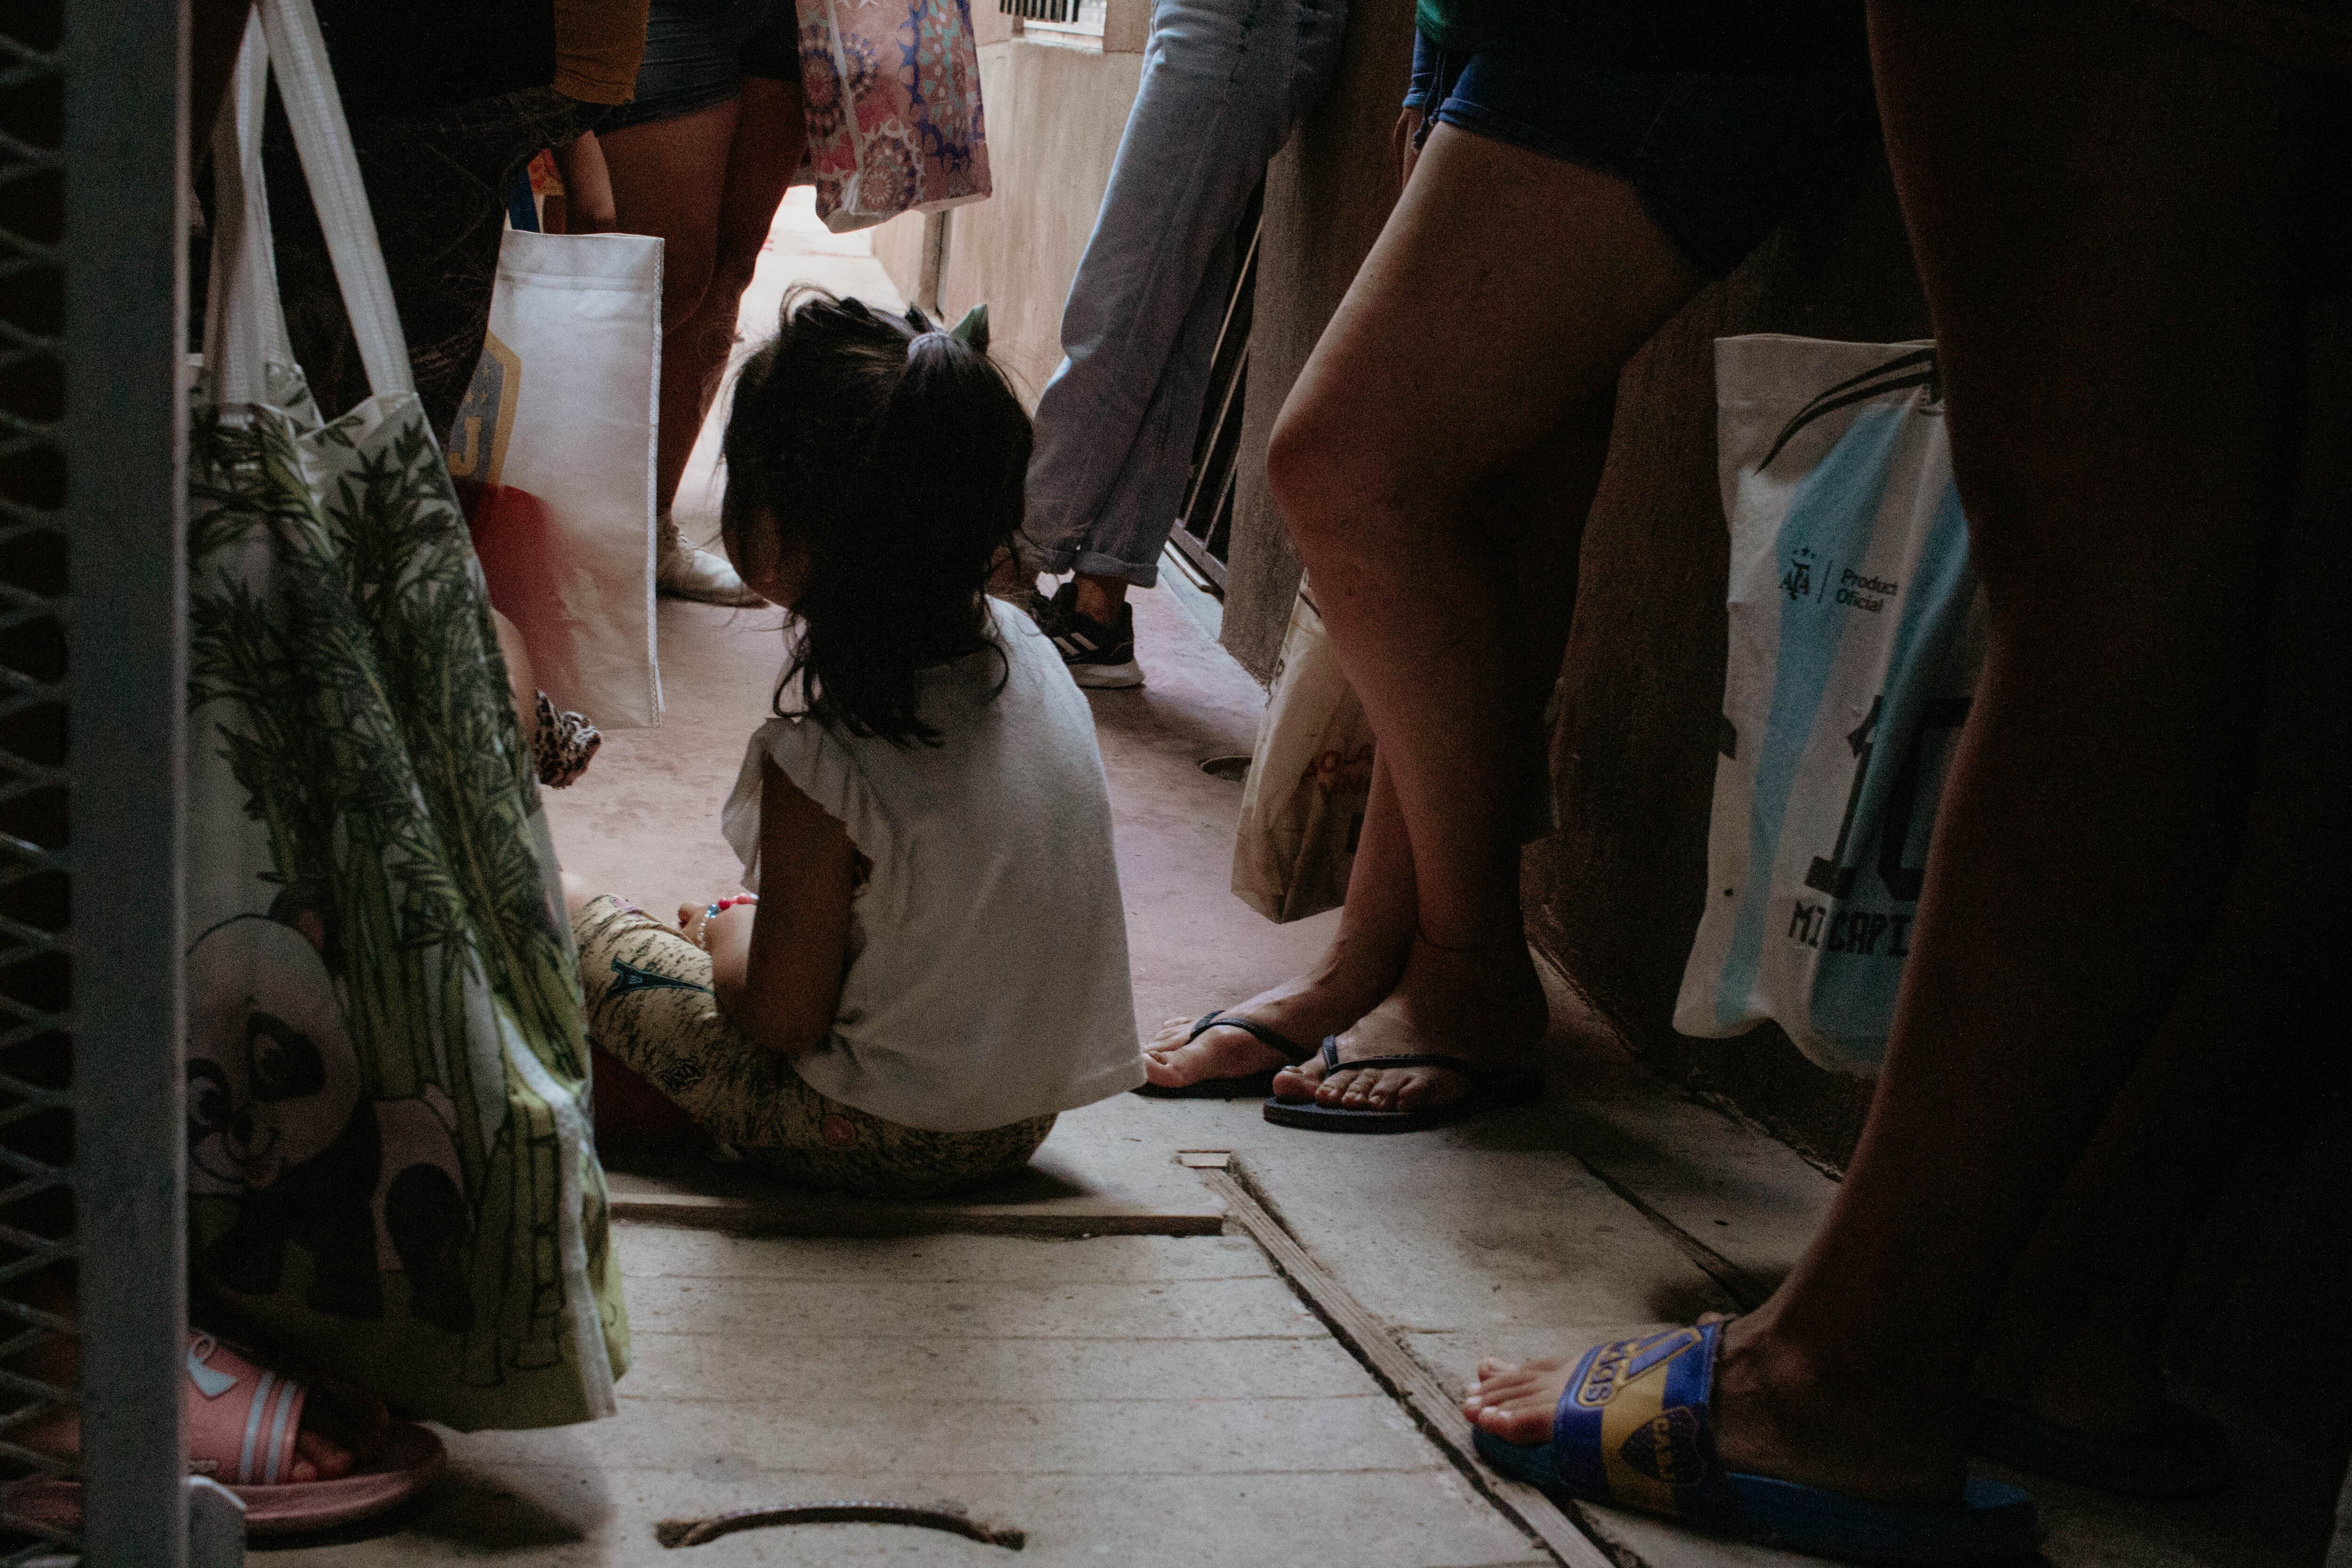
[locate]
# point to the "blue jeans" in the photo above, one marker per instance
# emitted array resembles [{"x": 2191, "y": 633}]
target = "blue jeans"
[{"x": 1224, "y": 84}]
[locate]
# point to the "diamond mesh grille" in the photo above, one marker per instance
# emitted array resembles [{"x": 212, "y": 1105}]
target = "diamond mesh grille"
[{"x": 37, "y": 1245}]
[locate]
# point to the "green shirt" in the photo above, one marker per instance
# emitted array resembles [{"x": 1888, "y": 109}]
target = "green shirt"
[{"x": 1659, "y": 35}]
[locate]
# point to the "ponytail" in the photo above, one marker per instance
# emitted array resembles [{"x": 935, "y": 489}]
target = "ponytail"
[{"x": 898, "y": 454}]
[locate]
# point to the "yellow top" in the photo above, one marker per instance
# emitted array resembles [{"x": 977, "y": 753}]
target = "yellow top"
[{"x": 598, "y": 46}]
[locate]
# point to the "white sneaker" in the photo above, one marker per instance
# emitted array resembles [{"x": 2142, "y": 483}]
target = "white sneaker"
[{"x": 683, "y": 572}]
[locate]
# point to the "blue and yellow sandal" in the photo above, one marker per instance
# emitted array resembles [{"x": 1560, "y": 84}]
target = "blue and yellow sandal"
[{"x": 1632, "y": 1432}]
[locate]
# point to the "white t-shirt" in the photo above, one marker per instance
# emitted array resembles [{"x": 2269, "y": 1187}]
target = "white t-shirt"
[{"x": 987, "y": 979}]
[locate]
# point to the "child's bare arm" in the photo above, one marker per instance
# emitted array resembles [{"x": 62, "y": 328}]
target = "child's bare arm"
[{"x": 776, "y": 966}]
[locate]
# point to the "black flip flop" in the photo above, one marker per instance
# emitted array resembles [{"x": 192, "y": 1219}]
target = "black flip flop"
[
  {"x": 1492, "y": 1087},
  {"x": 1244, "y": 1088}
]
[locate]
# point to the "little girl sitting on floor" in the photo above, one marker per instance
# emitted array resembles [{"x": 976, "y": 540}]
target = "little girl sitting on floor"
[{"x": 938, "y": 962}]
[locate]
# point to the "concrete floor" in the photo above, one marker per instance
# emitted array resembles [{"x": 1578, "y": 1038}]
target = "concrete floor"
[{"x": 1132, "y": 1398}]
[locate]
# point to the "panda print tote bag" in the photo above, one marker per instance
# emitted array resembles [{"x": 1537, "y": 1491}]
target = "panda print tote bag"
[{"x": 390, "y": 1171}]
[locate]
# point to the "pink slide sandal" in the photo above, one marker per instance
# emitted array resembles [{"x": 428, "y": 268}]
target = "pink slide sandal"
[{"x": 242, "y": 1422}]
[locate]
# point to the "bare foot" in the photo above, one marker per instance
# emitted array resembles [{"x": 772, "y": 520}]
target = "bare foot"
[
  {"x": 1515, "y": 1400},
  {"x": 1483, "y": 1005},
  {"x": 342, "y": 1427},
  {"x": 1303, "y": 1010},
  {"x": 1771, "y": 1415}
]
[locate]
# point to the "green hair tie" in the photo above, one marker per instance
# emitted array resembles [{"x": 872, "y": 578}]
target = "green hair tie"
[{"x": 972, "y": 331}]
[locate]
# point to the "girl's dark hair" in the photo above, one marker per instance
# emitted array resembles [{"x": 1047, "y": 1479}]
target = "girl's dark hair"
[{"x": 896, "y": 453}]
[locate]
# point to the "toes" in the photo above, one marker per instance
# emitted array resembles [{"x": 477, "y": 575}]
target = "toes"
[
  {"x": 1379, "y": 1088},
  {"x": 1303, "y": 1082},
  {"x": 1398, "y": 1088},
  {"x": 1525, "y": 1419},
  {"x": 322, "y": 1457}
]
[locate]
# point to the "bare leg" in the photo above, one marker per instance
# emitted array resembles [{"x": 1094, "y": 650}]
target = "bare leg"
[
  {"x": 2109, "y": 215},
  {"x": 668, "y": 178},
  {"x": 1388, "y": 462},
  {"x": 770, "y": 134},
  {"x": 2079, "y": 1336},
  {"x": 1099, "y": 598},
  {"x": 1367, "y": 956},
  {"x": 1357, "y": 970}
]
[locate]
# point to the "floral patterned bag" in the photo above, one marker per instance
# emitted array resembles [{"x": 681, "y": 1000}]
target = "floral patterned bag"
[
  {"x": 892, "y": 90},
  {"x": 390, "y": 1166}
]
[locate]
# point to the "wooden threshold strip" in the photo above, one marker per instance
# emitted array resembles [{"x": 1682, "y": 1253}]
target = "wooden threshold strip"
[
  {"x": 816, "y": 1215},
  {"x": 1405, "y": 1378}
]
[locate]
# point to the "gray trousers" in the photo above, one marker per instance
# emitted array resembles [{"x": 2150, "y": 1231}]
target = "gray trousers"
[{"x": 1225, "y": 82}]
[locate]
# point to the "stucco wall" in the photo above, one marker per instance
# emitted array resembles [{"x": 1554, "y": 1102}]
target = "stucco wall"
[
  {"x": 1327, "y": 196},
  {"x": 1056, "y": 110}
]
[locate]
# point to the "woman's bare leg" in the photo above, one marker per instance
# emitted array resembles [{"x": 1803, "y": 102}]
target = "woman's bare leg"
[
  {"x": 1366, "y": 955},
  {"x": 669, "y": 178},
  {"x": 770, "y": 135},
  {"x": 1436, "y": 378},
  {"x": 2079, "y": 1336},
  {"x": 1553, "y": 488},
  {"x": 2109, "y": 215}
]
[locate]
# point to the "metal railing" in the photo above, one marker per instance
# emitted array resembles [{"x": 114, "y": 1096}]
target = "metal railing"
[
  {"x": 1204, "y": 523},
  {"x": 1084, "y": 17},
  {"x": 37, "y": 1387}
]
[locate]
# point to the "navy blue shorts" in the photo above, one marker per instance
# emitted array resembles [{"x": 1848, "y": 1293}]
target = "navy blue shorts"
[
  {"x": 697, "y": 53},
  {"x": 1716, "y": 158}
]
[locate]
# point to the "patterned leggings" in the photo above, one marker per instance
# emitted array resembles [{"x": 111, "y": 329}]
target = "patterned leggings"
[{"x": 650, "y": 1004}]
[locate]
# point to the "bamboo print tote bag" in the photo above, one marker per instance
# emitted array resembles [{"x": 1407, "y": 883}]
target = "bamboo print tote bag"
[
  {"x": 1855, "y": 638},
  {"x": 390, "y": 1167}
]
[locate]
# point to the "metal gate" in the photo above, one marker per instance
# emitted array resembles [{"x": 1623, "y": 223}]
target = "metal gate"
[
  {"x": 93, "y": 183},
  {"x": 1205, "y": 524}
]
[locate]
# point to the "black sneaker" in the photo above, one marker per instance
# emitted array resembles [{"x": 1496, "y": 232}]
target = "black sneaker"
[{"x": 1098, "y": 654}]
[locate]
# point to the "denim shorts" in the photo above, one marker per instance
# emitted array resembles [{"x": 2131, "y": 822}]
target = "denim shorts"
[
  {"x": 1716, "y": 158},
  {"x": 697, "y": 53}
]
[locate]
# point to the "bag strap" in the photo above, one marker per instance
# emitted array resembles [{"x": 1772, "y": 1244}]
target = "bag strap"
[
  {"x": 323, "y": 138},
  {"x": 244, "y": 329},
  {"x": 250, "y": 329}
]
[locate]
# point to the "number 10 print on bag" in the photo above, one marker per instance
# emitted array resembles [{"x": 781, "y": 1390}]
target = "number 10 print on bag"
[{"x": 1855, "y": 644}]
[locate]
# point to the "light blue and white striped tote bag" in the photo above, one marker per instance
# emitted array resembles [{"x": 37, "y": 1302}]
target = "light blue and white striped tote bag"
[{"x": 1855, "y": 636}]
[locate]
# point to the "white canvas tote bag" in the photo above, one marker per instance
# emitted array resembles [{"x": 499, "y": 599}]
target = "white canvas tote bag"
[{"x": 553, "y": 452}]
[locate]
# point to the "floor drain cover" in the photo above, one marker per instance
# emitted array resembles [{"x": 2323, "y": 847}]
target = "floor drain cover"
[{"x": 1233, "y": 770}]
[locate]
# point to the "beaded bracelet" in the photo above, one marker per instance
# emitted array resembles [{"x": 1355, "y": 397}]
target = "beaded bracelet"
[{"x": 717, "y": 909}]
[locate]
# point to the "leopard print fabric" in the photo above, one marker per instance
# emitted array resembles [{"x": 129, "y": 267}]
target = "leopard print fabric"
[
  {"x": 561, "y": 744},
  {"x": 650, "y": 1004}
]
